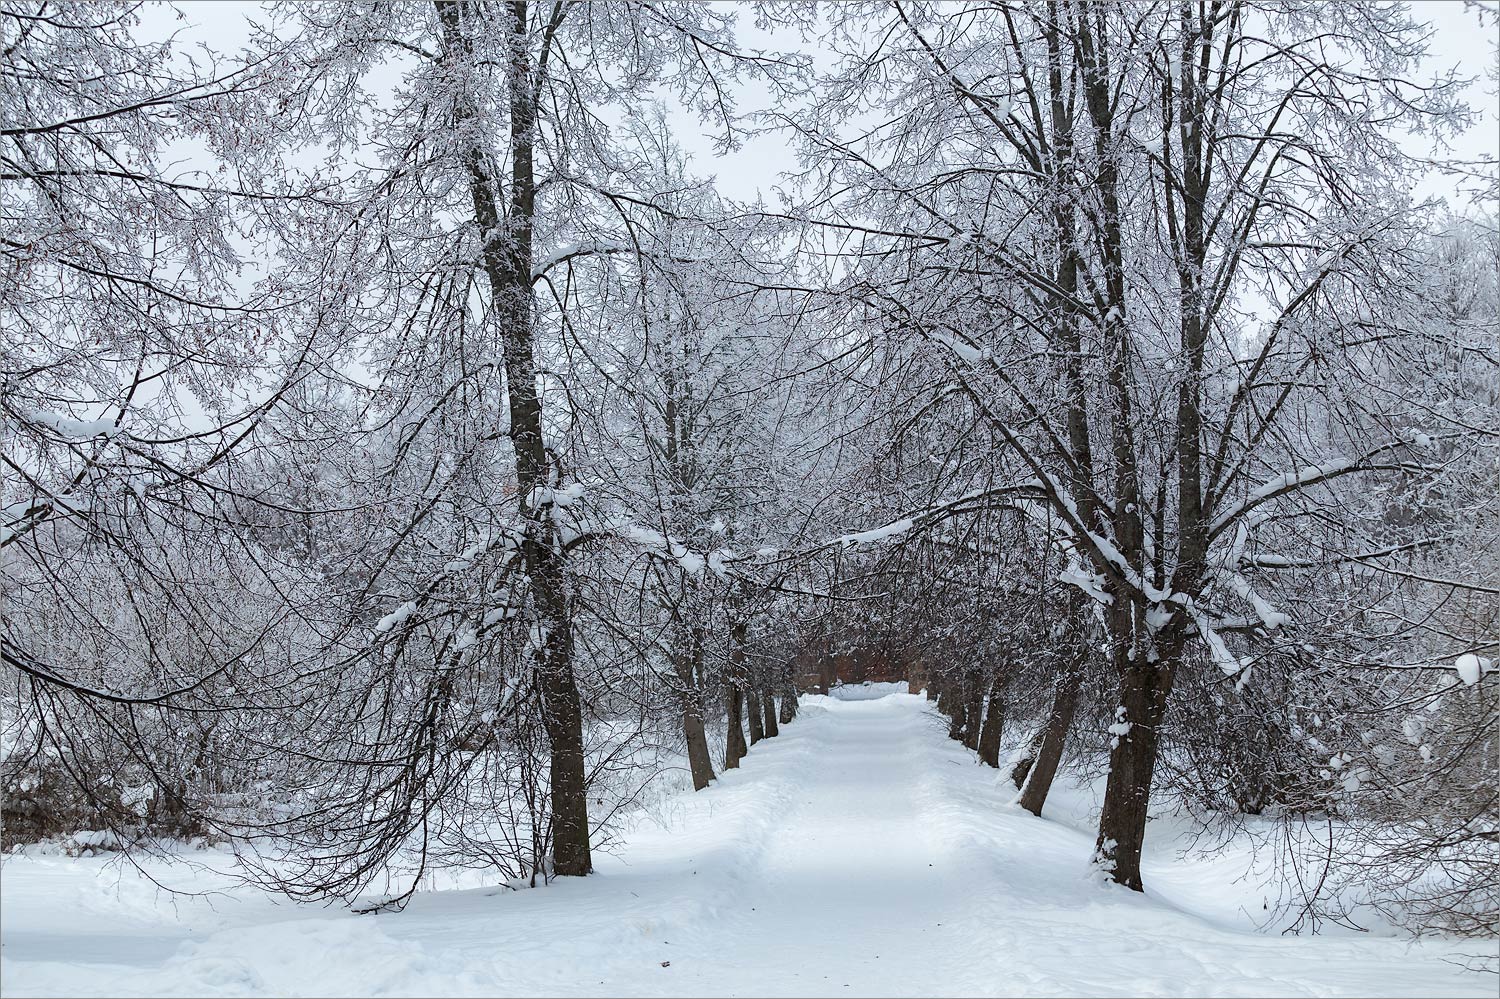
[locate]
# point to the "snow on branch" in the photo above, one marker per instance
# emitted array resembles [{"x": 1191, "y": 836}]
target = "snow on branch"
[
  {"x": 74, "y": 429},
  {"x": 573, "y": 251},
  {"x": 1293, "y": 481},
  {"x": 666, "y": 547},
  {"x": 396, "y": 617},
  {"x": 1218, "y": 650},
  {"x": 1269, "y": 616},
  {"x": 1273, "y": 561},
  {"x": 894, "y": 529}
]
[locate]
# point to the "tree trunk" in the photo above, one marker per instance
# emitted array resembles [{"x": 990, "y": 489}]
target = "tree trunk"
[
  {"x": 1022, "y": 768},
  {"x": 1132, "y": 762},
  {"x": 768, "y": 704},
  {"x": 1054, "y": 737},
  {"x": 994, "y": 726},
  {"x": 507, "y": 261},
  {"x": 788, "y": 701},
  {"x": 562, "y": 714},
  {"x": 734, "y": 742},
  {"x": 697, "y": 742},
  {"x": 946, "y": 705},
  {"x": 754, "y": 714},
  {"x": 699, "y": 760},
  {"x": 973, "y": 711},
  {"x": 956, "y": 720}
]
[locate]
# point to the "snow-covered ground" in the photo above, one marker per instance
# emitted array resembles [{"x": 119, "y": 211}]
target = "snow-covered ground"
[{"x": 861, "y": 853}]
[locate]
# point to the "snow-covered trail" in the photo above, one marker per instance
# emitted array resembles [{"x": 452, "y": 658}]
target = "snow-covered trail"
[{"x": 861, "y": 853}]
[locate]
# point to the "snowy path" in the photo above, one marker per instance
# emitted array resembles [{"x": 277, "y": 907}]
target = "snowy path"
[{"x": 860, "y": 853}]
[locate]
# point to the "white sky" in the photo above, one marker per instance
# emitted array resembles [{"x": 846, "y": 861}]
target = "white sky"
[{"x": 1464, "y": 39}]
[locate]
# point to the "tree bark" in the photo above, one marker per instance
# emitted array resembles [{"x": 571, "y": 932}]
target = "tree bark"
[
  {"x": 1132, "y": 763},
  {"x": 788, "y": 701},
  {"x": 734, "y": 743},
  {"x": 994, "y": 726},
  {"x": 946, "y": 705},
  {"x": 753, "y": 713},
  {"x": 768, "y": 704},
  {"x": 697, "y": 743},
  {"x": 699, "y": 760},
  {"x": 1022, "y": 769},
  {"x": 507, "y": 262},
  {"x": 973, "y": 711},
  {"x": 956, "y": 706},
  {"x": 1043, "y": 765}
]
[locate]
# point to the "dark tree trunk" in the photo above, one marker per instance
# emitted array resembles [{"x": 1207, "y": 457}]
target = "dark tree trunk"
[
  {"x": 973, "y": 711},
  {"x": 956, "y": 719},
  {"x": 788, "y": 702},
  {"x": 946, "y": 705},
  {"x": 994, "y": 726},
  {"x": 699, "y": 760},
  {"x": 697, "y": 742},
  {"x": 1049, "y": 748},
  {"x": 734, "y": 743},
  {"x": 753, "y": 713},
  {"x": 507, "y": 260},
  {"x": 768, "y": 704},
  {"x": 1022, "y": 768},
  {"x": 1132, "y": 762}
]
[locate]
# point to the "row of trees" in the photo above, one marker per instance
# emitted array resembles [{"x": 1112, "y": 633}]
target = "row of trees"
[
  {"x": 405, "y": 455},
  {"x": 1157, "y": 269}
]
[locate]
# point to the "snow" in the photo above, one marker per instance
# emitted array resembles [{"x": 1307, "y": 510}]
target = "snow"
[
  {"x": 1414, "y": 728},
  {"x": 894, "y": 529},
  {"x": 564, "y": 497},
  {"x": 1469, "y": 668},
  {"x": 396, "y": 617},
  {"x": 495, "y": 615},
  {"x": 1218, "y": 649},
  {"x": 546, "y": 261},
  {"x": 1277, "y": 484},
  {"x": 14, "y": 516},
  {"x": 1325, "y": 258},
  {"x": 965, "y": 352},
  {"x": 1152, "y": 144},
  {"x": 690, "y": 561},
  {"x": 1272, "y": 618},
  {"x": 75, "y": 429},
  {"x": 1090, "y": 583},
  {"x": 860, "y": 853},
  {"x": 867, "y": 691}
]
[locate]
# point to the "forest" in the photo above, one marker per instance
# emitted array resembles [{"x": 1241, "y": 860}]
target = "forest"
[{"x": 418, "y": 465}]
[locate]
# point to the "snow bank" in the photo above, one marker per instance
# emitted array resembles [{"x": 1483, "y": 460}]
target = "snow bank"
[
  {"x": 859, "y": 853},
  {"x": 865, "y": 691}
]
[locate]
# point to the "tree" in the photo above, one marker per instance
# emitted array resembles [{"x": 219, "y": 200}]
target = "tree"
[{"x": 1157, "y": 167}]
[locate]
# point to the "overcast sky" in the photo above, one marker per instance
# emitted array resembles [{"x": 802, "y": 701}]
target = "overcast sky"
[{"x": 1464, "y": 37}]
